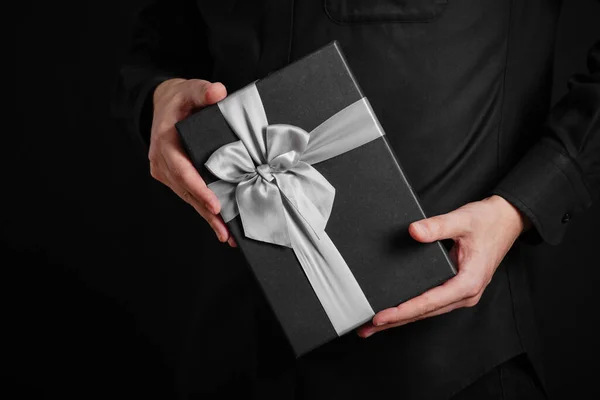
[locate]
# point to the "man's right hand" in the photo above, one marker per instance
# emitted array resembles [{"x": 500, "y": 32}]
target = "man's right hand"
[{"x": 175, "y": 99}]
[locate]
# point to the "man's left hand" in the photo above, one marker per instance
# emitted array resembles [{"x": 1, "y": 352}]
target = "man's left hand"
[{"x": 483, "y": 232}]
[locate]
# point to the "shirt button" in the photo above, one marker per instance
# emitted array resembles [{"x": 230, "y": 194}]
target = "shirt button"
[{"x": 566, "y": 218}]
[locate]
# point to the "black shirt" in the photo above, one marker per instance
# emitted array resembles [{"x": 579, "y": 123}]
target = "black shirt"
[{"x": 462, "y": 89}]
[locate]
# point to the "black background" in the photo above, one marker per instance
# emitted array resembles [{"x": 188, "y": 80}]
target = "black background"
[{"x": 102, "y": 266}]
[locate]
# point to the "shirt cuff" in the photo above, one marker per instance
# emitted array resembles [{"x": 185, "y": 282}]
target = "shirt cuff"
[{"x": 546, "y": 186}]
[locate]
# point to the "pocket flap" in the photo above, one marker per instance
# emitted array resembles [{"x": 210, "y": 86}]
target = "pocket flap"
[{"x": 368, "y": 11}]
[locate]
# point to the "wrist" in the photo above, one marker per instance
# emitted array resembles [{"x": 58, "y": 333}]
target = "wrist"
[{"x": 511, "y": 214}]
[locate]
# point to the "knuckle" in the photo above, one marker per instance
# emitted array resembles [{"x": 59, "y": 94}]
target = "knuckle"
[
  {"x": 187, "y": 176},
  {"x": 200, "y": 211},
  {"x": 154, "y": 173},
  {"x": 425, "y": 308},
  {"x": 177, "y": 174},
  {"x": 473, "y": 301},
  {"x": 466, "y": 223},
  {"x": 164, "y": 127},
  {"x": 198, "y": 84},
  {"x": 186, "y": 196},
  {"x": 204, "y": 194},
  {"x": 213, "y": 226},
  {"x": 472, "y": 291},
  {"x": 470, "y": 302},
  {"x": 155, "y": 170},
  {"x": 470, "y": 223},
  {"x": 178, "y": 98},
  {"x": 473, "y": 288},
  {"x": 462, "y": 221},
  {"x": 153, "y": 153},
  {"x": 206, "y": 213},
  {"x": 209, "y": 219},
  {"x": 433, "y": 227}
]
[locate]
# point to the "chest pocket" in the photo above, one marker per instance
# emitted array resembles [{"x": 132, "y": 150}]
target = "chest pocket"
[{"x": 369, "y": 11}]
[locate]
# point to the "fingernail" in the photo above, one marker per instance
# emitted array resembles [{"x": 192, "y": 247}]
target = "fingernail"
[
  {"x": 417, "y": 227},
  {"x": 379, "y": 323},
  {"x": 369, "y": 334},
  {"x": 209, "y": 208},
  {"x": 420, "y": 228}
]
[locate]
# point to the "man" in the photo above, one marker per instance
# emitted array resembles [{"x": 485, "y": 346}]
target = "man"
[{"x": 462, "y": 89}]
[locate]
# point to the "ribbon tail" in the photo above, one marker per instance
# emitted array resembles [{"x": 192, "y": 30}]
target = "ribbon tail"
[
  {"x": 225, "y": 192},
  {"x": 310, "y": 193},
  {"x": 262, "y": 212},
  {"x": 330, "y": 277}
]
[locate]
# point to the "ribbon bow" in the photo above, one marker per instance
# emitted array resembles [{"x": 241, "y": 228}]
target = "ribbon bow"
[
  {"x": 267, "y": 187},
  {"x": 267, "y": 178}
]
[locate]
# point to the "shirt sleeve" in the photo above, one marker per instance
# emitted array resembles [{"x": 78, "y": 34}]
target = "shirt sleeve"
[
  {"x": 168, "y": 41},
  {"x": 559, "y": 177}
]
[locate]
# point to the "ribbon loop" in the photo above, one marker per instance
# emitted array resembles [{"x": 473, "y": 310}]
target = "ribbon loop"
[
  {"x": 225, "y": 192},
  {"x": 231, "y": 163}
]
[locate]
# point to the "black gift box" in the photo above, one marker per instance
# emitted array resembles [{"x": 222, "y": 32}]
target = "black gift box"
[{"x": 374, "y": 203}]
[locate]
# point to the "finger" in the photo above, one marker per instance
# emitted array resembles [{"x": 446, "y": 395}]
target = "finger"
[
  {"x": 185, "y": 175},
  {"x": 215, "y": 221},
  {"x": 445, "y": 226},
  {"x": 157, "y": 168},
  {"x": 369, "y": 329},
  {"x": 232, "y": 242},
  {"x": 452, "y": 291},
  {"x": 201, "y": 93},
  {"x": 217, "y": 225},
  {"x": 215, "y": 93},
  {"x": 440, "y": 311}
]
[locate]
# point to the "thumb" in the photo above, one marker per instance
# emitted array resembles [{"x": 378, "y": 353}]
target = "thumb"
[
  {"x": 214, "y": 93},
  {"x": 202, "y": 93},
  {"x": 445, "y": 226}
]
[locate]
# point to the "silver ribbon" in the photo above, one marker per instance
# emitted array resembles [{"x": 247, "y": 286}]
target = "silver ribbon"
[{"x": 267, "y": 178}]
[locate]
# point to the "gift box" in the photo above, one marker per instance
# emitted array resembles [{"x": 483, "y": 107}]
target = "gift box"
[{"x": 315, "y": 198}]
